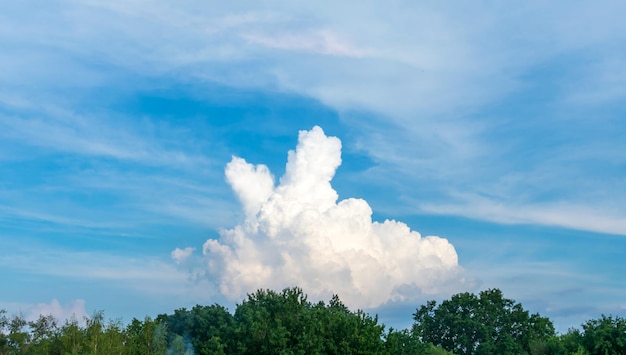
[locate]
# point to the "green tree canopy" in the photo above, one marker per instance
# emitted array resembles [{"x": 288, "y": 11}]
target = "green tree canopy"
[
  {"x": 270, "y": 322},
  {"x": 606, "y": 335},
  {"x": 483, "y": 324},
  {"x": 286, "y": 322}
]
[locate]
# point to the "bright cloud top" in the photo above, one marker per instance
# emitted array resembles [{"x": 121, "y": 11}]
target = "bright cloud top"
[{"x": 297, "y": 234}]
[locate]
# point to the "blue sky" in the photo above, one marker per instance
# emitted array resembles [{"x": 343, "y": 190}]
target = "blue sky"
[{"x": 499, "y": 128}]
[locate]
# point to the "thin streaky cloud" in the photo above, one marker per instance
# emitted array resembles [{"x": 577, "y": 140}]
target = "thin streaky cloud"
[
  {"x": 77, "y": 265},
  {"x": 10, "y": 212},
  {"x": 579, "y": 217},
  {"x": 90, "y": 136},
  {"x": 317, "y": 42}
]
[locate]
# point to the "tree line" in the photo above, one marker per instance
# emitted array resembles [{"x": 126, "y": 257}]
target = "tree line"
[{"x": 286, "y": 322}]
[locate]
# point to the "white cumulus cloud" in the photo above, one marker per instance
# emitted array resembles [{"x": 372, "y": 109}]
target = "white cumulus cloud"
[{"x": 298, "y": 234}]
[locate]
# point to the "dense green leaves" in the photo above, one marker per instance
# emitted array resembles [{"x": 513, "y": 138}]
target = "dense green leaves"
[
  {"x": 484, "y": 324},
  {"x": 268, "y": 322},
  {"x": 208, "y": 329},
  {"x": 286, "y": 322},
  {"x": 606, "y": 335},
  {"x": 405, "y": 343}
]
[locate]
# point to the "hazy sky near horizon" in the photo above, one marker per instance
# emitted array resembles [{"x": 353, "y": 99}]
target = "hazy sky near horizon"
[{"x": 144, "y": 160}]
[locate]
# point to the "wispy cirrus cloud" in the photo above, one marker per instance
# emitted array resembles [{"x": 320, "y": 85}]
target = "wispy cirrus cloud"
[
  {"x": 70, "y": 133},
  {"x": 315, "y": 42},
  {"x": 581, "y": 217},
  {"x": 100, "y": 159},
  {"x": 150, "y": 275},
  {"x": 438, "y": 88}
]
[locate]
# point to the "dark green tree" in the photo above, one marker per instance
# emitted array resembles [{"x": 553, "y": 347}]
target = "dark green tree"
[
  {"x": 403, "y": 342},
  {"x": 146, "y": 338},
  {"x": 205, "y": 329},
  {"x": 350, "y": 332},
  {"x": 212, "y": 330},
  {"x": 484, "y": 324},
  {"x": 287, "y": 323},
  {"x": 266, "y": 321},
  {"x": 605, "y": 336}
]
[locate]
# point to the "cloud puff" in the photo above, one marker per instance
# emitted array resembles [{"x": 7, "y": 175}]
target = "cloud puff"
[
  {"x": 297, "y": 233},
  {"x": 180, "y": 255},
  {"x": 76, "y": 310}
]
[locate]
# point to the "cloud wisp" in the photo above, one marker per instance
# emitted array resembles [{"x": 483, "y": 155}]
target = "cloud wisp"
[
  {"x": 75, "y": 309},
  {"x": 61, "y": 313},
  {"x": 296, "y": 233}
]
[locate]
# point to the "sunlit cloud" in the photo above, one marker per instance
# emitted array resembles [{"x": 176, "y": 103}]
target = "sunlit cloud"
[{"x": 297, "y": 233}]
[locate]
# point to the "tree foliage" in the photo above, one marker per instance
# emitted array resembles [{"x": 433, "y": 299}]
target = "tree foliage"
[
  {"x": 268, "y": 322},
  {"x": 286, "y": 322},
  {"x": 483, "y": 324},
  {"x": 606, "y": 335}
]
